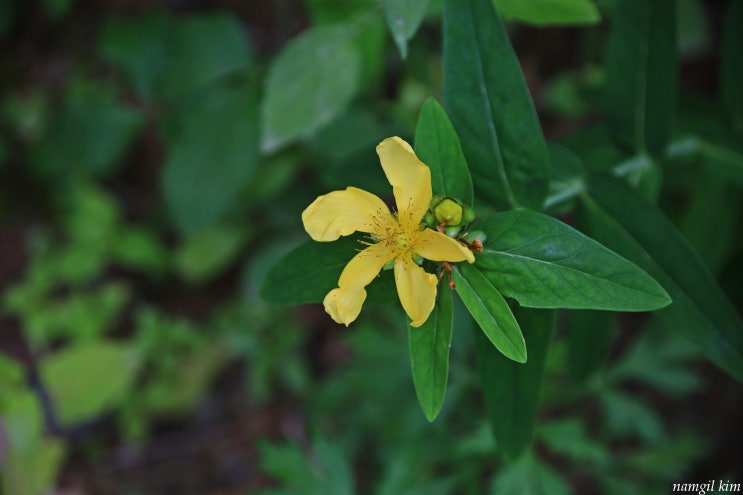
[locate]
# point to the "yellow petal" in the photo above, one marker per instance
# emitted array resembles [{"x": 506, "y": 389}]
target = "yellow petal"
[
  {"x": 416, "y": 289},
  {"x": 344, "y": 303},
  {"x": 435, "y": 246},
  {"x": 341, "y": 213},
  {"x": 410, "y": 179}
]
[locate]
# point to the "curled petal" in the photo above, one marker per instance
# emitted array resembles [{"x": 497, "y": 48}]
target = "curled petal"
[
  {"x": 341, "y": 213},
  {"x": 436, "y": 246},
  {"x": 416, "y": 289},
  {"x": 344, "y": 303},
  {"x": 410, "y": 179}
]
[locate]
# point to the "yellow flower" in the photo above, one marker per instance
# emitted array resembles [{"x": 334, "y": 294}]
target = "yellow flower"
[{"x": 396, "y": 236}]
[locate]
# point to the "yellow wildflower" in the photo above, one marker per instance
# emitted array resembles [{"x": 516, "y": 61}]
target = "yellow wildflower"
[{"x": 396, "y": 236}]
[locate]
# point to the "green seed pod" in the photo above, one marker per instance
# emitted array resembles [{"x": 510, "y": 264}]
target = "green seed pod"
[
  {"x": 468, "y": 214},
  {"x": 452, "y": 230},
  {"x": 448, "y": 212}
]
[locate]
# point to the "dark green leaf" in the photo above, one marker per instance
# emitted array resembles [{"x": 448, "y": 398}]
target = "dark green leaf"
[
  {"x": 641, "y": 74},
  {"x": 589, "y": 341},
  {"x": 429, "y": 353},
  {"x": 549, "y": 12},
  {"x": 543, "y": 263},
  {"x": 309, "y": 84},
  {"x": 438, "y": 146},
  {"x": 731, "y": 76},
  {"x": 621, "y": 218},
  {"x": 529, "y": 476},
  {"x": 212, "y": 154},
  {"x": 569, "y": 437},
  {"x": 310, "y": 271},
  {"x": 490, "y": 107},
  {"x": 490, "y": 311},
  {"x": 403, "y": 19},
  {"x": 512, "y": 390}
]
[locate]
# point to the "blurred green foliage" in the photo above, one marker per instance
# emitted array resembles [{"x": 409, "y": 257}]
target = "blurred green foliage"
[{"x": 157, "y": 165}]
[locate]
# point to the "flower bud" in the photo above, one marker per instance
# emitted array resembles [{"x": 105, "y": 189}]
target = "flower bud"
[
  {"x": 468, "y": 214},
  {"x": 452, "y": 230},
  {"x": 476, "y": 235},
  {"x": 448, "y": 212}
]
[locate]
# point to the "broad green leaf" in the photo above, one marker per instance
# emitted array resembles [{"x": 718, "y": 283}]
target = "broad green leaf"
[
  {"x": 490, "y": 106},
  {"x": 641, "y": 74},
  {"x": 201, "y": 50},
  {"x": 549, "y": 12},
  {"x": 590, "y": 336},
  {"x": 490, "y": 311},
  {"x": 429, "y": 353},
  {"x": 403, "y": 19},
  {"x": 212, "y": 154},
  {"x": 621, "y": 218},
  {"x": 309, "y": 84},
  {"x": 310, "y": 271},
  {"x": 512, "y": 390},
  {"x": 731, "y": 67},
  {"x": 85, "y": 380},
  {"x": 438, "y": 146},
  {"x": 543, "y": 263}
]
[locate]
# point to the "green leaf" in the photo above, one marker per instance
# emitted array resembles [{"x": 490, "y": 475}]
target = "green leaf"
[
  {"x": 530, "y": 476},
  {"x": 590, "y": 337},
  {"x": 490, "y": 311},
  {"x": 490, "y": 106},
  {"x": 213, "y": 150},
  {"x": 202, "y": 50},
  {"x": 85, "y": 380},
  {"x": 512, "y": 390},
  {"x": 310, "y": 271},
  {"x": 309, "y": 84},
  {"x": 549, "y": 12},
  {"x": 641, "y": 74},
  {"x": 543, "y": 263},
  {"x": 628, "y": 416},
  {"x": 624, "y": 220},
  {"x": 569, "y": 437},
  {"x": 731, "y": 67},
  {"x": 429, "y": 353},
  {"x": 438, "y": 146},
  {"x": 403, "y": 19},
  {"x": 209, "y": 251}
]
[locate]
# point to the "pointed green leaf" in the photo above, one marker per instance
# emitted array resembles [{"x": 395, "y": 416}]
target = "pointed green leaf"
[
  {"x": 512, "y": 390},
  {"x": 490, "y": 107},
  {"x": 623, "y": 219},
  {"x": 731, "y": 67},
  {"x": 543, "y": 263},
  {"x": 438, "y": 146},
  {"x": 309, "y": 84},
  {"x": 403, "y": 19},
  {"x": 490, "y": 311},
  {"x": 549, "y": 12},
  {"x": 429, "y": 353},
  {"x": 641, "y": 74},
  {"x": 312, "y": 269}
]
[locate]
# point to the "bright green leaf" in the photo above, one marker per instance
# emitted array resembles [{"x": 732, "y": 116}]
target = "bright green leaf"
[
  {"x": 309, "y": 84},
  {"x": 85, "y": 380},
  {"x": 438, "y": 146},
  {"x": 513, "y": 390},
  {"x": 641, "y": 74},
  {"x": 490, "y": 106},
  {"x": 490, "y": 311},
  {"x": 549, "y": 12},
  {"x": 624, "y": 220},
  {"x": 212, "y": 155},
  {"x": 429, "y": 353},
  {"x": 403, "y": 19},
  {"x": 543, "y": 263}
]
